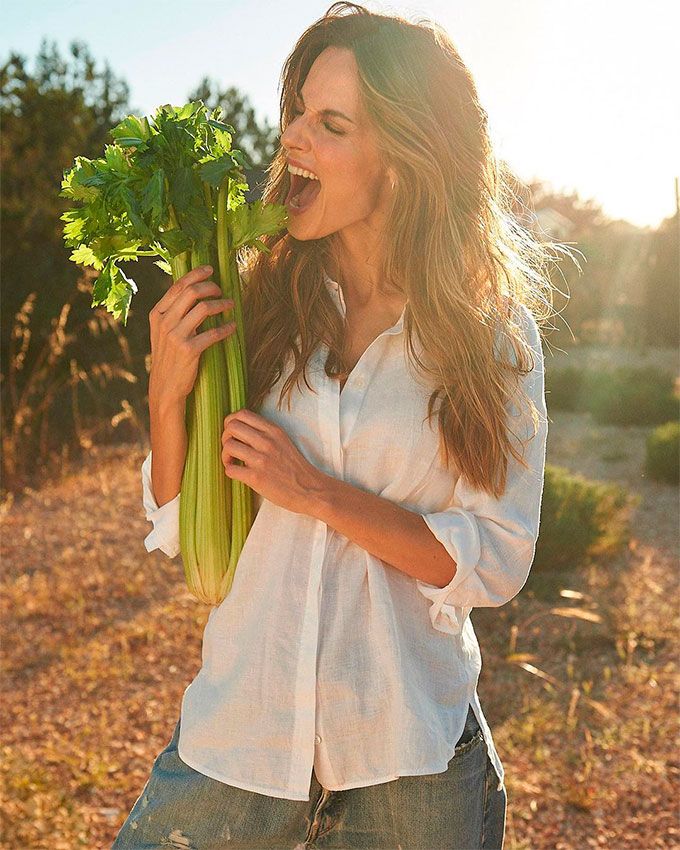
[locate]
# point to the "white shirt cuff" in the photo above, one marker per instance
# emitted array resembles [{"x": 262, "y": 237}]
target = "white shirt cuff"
[
  {"x": 165, "y": 533},
  {"x": 456, "y": 529}
]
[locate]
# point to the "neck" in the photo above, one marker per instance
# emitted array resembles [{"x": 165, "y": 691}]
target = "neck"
[
  {"x": 357, "y": 255},
  {"x": 358, "y": 268}
]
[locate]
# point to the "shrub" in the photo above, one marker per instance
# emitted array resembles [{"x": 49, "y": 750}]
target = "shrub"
[
  {"x": 624, "y": 396},
  {"x": 569, "y": 388},
  {"x": 634, "y": 396},
  {"x": 580, "y": 519},
  {"x": 662, "y": 458}
]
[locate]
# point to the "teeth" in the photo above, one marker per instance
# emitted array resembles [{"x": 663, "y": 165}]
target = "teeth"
[{"x": 302, "y": 172}]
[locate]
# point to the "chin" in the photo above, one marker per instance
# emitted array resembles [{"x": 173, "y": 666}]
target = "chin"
[
  {"x": 298, "y": 232},
  {"x": 305, "y": 232}
]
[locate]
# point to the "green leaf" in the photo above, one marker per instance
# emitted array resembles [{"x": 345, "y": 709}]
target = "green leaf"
[
  {"x": 85, "y": 256},
  {"x": 220, "y": 125},
  {"x": 215, "y": 172},
  {"x": 132, "y": 131},
  {"x": 182, "y": 187},
  {"x": 115, "y": 159},
  {"x": 118, "y": 247},
  {"x": 130, "y": 141},
  {"x": 120, "y": 296},
  {"x": 250, "y": 221},
  {"x": 114, "y": 289},
  {"x": 237, "y": 190},
  {"x": 152, "y": 200},
  {"x": 132, "y": 208},
  {"x": 189, "y": 109},
  {"x": 164, "y": 265},
  {"x": 175, "y": 241},
  {"x": 74, "y": 229},
  {"x": 222, "y": 141},
  {"x": 72, "y": 186},
  {"x": 97, "y": 180},
  {"x": 198, "y": 223},
  {"x": 241, "y": 158},
  {"x": 102, "y": 285}
]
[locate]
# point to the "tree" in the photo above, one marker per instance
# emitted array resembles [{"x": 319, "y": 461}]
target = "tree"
[
  {"x": 257, "y": 141},
  {"x": 662, "y": 286},
  {"x": 61, "y": 109}
]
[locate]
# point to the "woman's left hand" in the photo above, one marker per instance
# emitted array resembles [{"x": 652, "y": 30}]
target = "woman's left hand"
[{"x": 274, "y": 466}]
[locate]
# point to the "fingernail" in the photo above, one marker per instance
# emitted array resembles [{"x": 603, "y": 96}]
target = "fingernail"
[{"x": 206, "y": 268}]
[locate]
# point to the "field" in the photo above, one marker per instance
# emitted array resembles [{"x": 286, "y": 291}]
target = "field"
[{"x": 100, "y": 640}]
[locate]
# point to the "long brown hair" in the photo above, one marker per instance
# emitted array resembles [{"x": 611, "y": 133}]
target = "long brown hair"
[{"x": 456, "y": 252}]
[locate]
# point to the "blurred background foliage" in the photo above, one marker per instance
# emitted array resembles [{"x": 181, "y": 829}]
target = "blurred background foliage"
[{"x": 70, "y": 376}]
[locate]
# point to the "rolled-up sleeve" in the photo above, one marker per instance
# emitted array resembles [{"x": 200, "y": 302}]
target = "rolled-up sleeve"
[
  {"x": 165, "y": 532},
  {"x": 493, "y": 541}
]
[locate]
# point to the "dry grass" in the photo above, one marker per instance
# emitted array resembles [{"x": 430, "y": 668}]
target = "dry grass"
[
  {"x": 38, "y": 391},
  {"x": 100, "y": 640},
  {"x": 591, "y": 753}
]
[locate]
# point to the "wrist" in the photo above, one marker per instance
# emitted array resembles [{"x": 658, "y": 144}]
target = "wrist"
[
  {"x": 323, "y": 496},
  {"x": 164, "y": 403}
]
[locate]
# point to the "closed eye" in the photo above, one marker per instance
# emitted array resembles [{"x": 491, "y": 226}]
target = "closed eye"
[{"x": 297, "y": 112}]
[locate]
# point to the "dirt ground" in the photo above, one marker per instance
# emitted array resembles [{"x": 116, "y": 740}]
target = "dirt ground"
[{"x": 101, "y": 638}]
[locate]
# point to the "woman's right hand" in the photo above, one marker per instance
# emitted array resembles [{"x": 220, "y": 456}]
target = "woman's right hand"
[{"x": 176, "y": 348}]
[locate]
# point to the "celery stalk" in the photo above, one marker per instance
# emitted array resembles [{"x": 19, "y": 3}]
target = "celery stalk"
[{"x": 173, "y": 188}]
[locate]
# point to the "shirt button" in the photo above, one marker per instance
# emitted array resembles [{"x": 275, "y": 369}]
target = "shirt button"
[{"x": 317, "y": 739}]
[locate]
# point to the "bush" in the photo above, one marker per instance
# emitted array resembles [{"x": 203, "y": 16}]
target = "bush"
[
  {"x": 569, "y": 388},
  {"x": 624, "y": 396},
  {"x": 634, "y": 396},
  {"x": 580, "y": 519},
  {"x": 662, "y": 459}
]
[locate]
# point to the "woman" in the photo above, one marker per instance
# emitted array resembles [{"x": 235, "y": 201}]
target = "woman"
[{"x": 337, "y": 702}]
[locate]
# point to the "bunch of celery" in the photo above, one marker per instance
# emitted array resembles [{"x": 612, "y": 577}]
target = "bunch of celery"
[{"x": 173, "y": 187}]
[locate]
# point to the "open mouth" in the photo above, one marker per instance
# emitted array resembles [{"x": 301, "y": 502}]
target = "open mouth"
[{"x": 302, "y": 193}]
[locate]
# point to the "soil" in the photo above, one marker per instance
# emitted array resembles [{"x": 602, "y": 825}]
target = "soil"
[{"x": 101, "y": 638}]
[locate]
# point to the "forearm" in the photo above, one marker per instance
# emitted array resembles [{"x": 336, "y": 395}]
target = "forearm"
[
  {"x": 397, "y": 536},
  {"x": 168, "y": 448}
]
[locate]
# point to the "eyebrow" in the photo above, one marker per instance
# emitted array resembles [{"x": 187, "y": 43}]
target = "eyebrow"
[{"x": 333, "y": 112}]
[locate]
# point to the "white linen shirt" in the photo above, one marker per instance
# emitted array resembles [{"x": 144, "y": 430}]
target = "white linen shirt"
[{"x": 325, "y": 656}]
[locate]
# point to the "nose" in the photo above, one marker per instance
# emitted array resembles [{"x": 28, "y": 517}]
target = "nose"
[{"x": 294, "y": 138}]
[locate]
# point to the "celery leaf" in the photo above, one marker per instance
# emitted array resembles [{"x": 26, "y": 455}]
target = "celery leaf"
[{"x": 250, "y": 221}]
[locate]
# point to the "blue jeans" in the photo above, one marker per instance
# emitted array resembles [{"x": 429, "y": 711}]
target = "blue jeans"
[{"x": 459, "y": 809}]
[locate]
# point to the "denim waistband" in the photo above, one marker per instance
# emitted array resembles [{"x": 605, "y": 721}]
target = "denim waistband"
[{"x": 470, "y": 728}]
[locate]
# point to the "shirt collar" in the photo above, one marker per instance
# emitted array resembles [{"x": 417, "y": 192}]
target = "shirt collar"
[{"x": 336, "y": 292}]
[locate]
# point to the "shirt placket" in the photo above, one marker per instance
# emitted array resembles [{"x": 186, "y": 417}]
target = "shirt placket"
[
  {"x": 307, "y": 736},
  {"x": 303, "y": 743},
  {"x": 346, "y": 405},
  {"x": 329, "y": 401},
  {"x": 337, "y": 416}
]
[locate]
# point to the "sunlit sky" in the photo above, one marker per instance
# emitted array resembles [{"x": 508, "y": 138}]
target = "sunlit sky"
[{"x": 580, "y": 94}]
